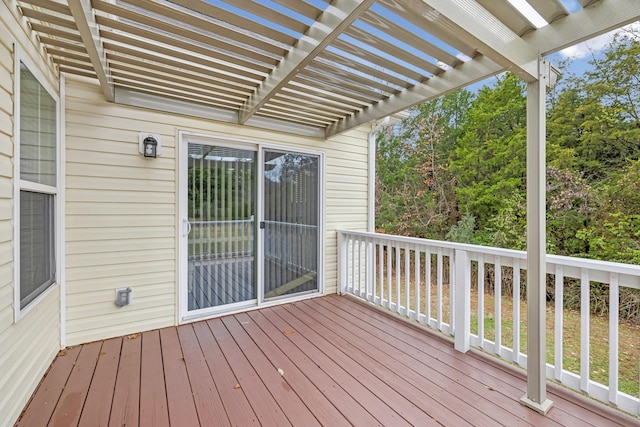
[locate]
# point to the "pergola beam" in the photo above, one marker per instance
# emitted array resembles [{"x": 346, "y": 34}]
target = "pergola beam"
[
  {"x": 331, "y": 23},
  {"x": 490, "y": 36},
  {"x": 583, "y": 25},
  {"x": 568, "y": 31},
  {"x": 84, "y": 18}
]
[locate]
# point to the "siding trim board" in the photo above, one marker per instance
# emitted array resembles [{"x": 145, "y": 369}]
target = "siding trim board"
[{"x": 62, "y": 209}]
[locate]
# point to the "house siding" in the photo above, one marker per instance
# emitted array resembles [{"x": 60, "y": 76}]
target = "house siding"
[
  {"x": 120, "y": 218},
  {"x": 30, "y": 344},
  {"x": 121, "y": 222}
]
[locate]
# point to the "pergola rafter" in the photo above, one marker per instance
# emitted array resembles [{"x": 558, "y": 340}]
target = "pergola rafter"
[
  {"x": 566, "y": 32},
  {"x": 331, "y": 23},
  {"x": 387, "y": 54},
  {"x": 84, "y": 17}
]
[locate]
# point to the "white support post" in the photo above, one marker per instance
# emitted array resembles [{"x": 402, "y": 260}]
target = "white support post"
[
  {"x": 462, "y": 301},
  {"x": 536, "y": 396}
]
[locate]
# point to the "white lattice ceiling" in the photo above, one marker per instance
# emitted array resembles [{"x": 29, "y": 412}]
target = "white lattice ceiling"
[{"x": 312, "y": 67}]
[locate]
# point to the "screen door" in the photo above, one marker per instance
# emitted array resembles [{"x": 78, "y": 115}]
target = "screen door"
[{"x": 290, "y": 226}]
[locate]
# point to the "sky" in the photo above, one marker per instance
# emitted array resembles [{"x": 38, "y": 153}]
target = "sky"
[{"x": 584, "y": 50}]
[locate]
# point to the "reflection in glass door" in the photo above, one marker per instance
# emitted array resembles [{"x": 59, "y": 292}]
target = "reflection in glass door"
[
  {"x": 221, "y": 215},
  {"x": 291, "y": 218}
]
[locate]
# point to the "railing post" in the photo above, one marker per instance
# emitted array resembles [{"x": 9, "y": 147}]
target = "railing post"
[
  {"x": 462, "y": 308},
  {"x": 342, "y": 262},
  {"x": 369, "y": 271}
]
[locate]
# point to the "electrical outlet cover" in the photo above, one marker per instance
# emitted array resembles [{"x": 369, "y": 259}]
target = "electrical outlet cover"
[{"x": 124, "y": 296}]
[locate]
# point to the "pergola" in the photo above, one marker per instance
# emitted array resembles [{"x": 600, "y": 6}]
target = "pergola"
[{"x": 320, "y": 68}]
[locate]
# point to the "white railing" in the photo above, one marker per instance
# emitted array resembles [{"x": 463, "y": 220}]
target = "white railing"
[
  {"x": 293, "y": 245},
  {"x": 221, "y": 239},
  {"x": 411, "y": 277}
]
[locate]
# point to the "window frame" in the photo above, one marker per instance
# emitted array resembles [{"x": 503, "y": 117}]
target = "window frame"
[{"x": 20, "y": 185}]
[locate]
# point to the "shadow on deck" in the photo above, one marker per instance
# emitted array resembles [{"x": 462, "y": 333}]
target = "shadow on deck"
[{"x": 326, "y": 361}]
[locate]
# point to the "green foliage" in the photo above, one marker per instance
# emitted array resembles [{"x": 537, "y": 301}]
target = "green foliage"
[
  {"x": 463, "y": 231},
  {"x": 623, "y": 189},
  {"x": 489, "y": 159},
  {"x": 594, "y": 123},
  {"x": 219, "y": 193},
  {"x": 414, "y": 184},
  {"x": 456, "y": 169},
  {"x": 571, "y": 203},
  {"x": 615, "y": 238},
  {"x": 508, "y": 228}
]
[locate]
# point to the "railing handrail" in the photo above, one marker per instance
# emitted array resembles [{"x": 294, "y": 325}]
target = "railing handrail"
[
  {"x": 226, "y": 221},
  {"x": 292, "y": 224},
  {"x": 552, "y": 260}
]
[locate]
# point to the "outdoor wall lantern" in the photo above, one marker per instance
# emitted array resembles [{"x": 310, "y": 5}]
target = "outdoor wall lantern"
[{"x": 149, "y": 145}]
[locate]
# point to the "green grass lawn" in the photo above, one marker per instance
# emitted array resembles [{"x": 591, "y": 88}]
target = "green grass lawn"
[{"x": 628, "y": 339}]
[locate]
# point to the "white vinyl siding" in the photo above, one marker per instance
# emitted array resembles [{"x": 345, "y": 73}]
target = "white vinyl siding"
[
  {"x": 29, "y": 345},
  {"x": 122, "y": 208},
  {"x": 120, "y": 219}
]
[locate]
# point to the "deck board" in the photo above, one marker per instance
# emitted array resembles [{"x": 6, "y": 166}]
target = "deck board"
[
  {"x": 351, "y": 395},
  {"x": 125, "y": 406},
  {"x": 450, "y": 384},
  {"x": 279, "y": 386},
  {"x": 97, "y": 407},
  {"x": 153, "y": 395},
  {"x": 408, "y": 410},
  {"x": 262, "y": 401},
  {"x": 233, "y": 397},
  {"x": 50, "y": 389},
  {"x": 71, "y": 402},
  {"x": 499, "y": 381},
  {"x": 344, "y": 363},
  {"x": 441, "y": 389},
  {"x": 180, "y": 401},
  {"x": 313, "y": 383},
  {"x": 429, "y": 409},
  {"x": 205, "y": 394}
]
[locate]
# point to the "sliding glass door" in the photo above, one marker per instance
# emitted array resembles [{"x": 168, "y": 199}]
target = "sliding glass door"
[
  {"x": 221, "y": 215},
  {"x": 250, "y": 225},
  {"x": 291, "y": 218}
]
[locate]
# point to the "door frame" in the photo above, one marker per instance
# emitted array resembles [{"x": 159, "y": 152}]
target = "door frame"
[{"x": 184, "y": 138}]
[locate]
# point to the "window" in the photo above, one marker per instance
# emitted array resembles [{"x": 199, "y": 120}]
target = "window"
[{"x": 36, "y": 188}]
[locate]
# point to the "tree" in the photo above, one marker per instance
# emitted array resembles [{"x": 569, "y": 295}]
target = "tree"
[
  {"x": 489, "y": 159},
  {"x": 594, "y": 125},
  {"x": 414, "y": 184}
]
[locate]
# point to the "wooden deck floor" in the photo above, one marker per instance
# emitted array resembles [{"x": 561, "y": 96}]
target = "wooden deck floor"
[{"x": 327, "y": 361}]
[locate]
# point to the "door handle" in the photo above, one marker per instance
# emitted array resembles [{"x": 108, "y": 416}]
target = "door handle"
[{"x": 188, "y": 227}]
